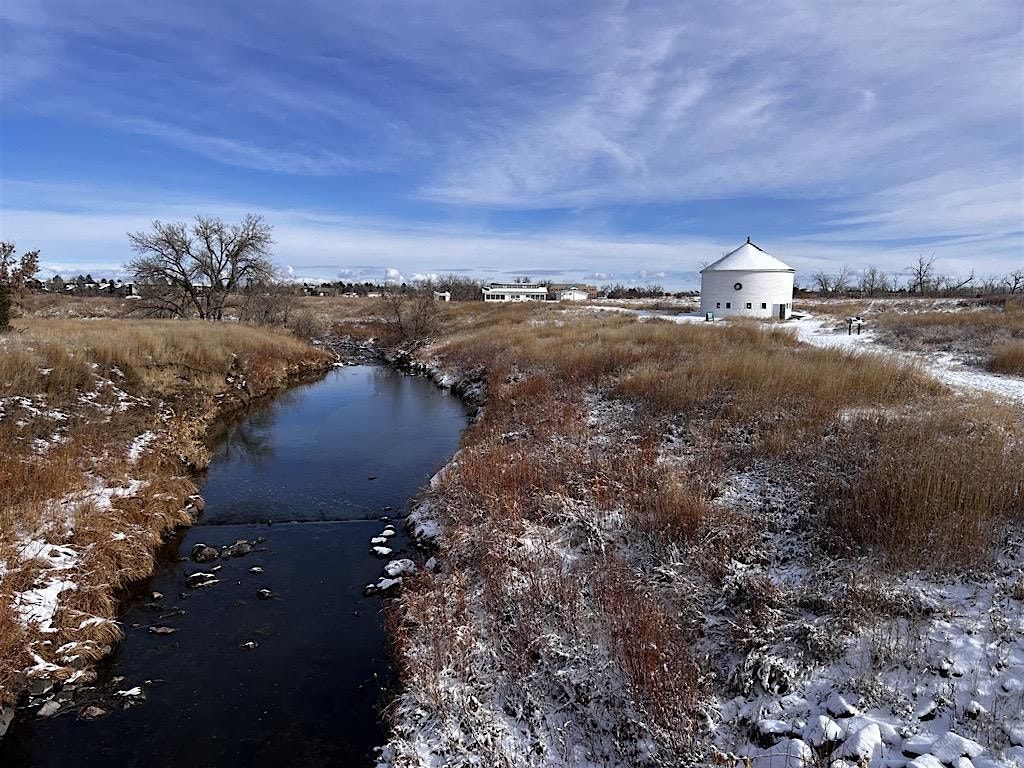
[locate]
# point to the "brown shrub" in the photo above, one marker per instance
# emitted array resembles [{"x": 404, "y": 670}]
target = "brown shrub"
[{"x": 651, "y": 650}]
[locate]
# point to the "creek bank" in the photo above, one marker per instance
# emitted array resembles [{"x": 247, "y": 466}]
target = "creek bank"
[
  {"x": 53, "y": 685},
  {"x": 299, "y": 666}
]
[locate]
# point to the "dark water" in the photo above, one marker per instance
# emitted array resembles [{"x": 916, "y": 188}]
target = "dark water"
[{"x": 307, "y": 695}]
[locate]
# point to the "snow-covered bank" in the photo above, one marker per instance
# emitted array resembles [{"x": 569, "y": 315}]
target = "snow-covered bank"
[{"x": 563, "y": 626}]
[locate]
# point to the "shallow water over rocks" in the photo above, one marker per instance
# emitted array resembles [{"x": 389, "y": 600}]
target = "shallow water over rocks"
[{"x": 277, "y": 658}]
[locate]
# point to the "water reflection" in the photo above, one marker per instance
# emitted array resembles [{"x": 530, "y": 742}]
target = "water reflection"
[{"x": 306, "y": 695}]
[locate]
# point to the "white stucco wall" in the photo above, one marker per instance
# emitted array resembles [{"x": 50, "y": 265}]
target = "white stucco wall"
[
  {"x": 717, "y": 289},
  {"x": 572, "y": 295}
]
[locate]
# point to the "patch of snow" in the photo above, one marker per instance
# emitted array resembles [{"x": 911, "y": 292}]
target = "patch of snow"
[
  {"x": 423, "y": 524},
  {"x": 37, "y": 605},
  {"x": 139, "y": 445}
]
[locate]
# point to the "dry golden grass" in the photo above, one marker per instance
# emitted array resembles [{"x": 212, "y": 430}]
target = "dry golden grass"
[
  {"x": 785, "y": 396},
  {"x": 1008, "y": 358},
  {"x": 933, "y": 490},
  {"x": 523, "y": 506},
  {"x": 75, "y": 394},
  {"x": 754, "y": 375}
]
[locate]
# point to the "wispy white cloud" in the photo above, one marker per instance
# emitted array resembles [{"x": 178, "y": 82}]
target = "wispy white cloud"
[
  {"x": 242, "y": 153},
  {"x": 802, "y": 100}
]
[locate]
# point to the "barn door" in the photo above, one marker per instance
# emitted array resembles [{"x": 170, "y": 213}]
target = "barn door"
[{"x": 782, "y": 311}]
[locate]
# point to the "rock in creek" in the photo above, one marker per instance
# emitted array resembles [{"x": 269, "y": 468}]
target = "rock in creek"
[
  {"x": 201, "y": 579},
  {"x": 49, "y": 709},
  {"x": 92, "y": 713},
  {"x": 238, "y": 549},
  {"x": 202, "y": 553},
  {"x": 264, "y": 594},
  {"x": 162, "y": 630},
  {"x": 400, "y": 567},
  {"x": 383, "y": 585},
  {"x": 381, "y": 551}
]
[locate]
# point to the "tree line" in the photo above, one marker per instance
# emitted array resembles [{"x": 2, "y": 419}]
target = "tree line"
[{"x": 921, "y": 278}]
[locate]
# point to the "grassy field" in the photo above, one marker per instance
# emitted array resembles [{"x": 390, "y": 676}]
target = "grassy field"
[
  {"x": 593, "y": 531},
  {"x": 101, "y": 428}
]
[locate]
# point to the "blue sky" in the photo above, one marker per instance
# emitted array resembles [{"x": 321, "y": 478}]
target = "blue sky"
[{"x": 582, "y": 140}]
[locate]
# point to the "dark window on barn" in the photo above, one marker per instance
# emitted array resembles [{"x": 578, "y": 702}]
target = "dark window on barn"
[
  {"x": 718, "y": 305},
  {"x": 748, "y": 305},
  {"x": 763, "y": 305},
  {"x": 728, "y": 305}
]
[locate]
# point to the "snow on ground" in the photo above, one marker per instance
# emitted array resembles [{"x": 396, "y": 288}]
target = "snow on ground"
[
  {"x": 685, "y": 317},
  {"x": 139, "y": 445},
  {"x": 822, "y": 332},
  {"x": 851, "y": 663},
  {"x": 37, "y": 605}
]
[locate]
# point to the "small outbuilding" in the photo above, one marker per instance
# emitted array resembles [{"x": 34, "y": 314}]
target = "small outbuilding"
[
  {"x": 748, "y": 282},
  {"x": 573, "y": 294}
]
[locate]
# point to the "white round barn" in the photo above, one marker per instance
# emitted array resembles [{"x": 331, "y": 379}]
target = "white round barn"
[{"x": 748, "y": 282}]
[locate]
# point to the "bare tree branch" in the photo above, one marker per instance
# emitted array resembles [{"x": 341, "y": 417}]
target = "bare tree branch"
[{"x": 186, "y": 270}]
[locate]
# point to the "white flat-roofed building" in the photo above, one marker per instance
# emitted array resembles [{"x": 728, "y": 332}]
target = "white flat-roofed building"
[
  {"x": 515, "y": 292},
  {"x": 573, "y": 294},
  {"x": 747, "y": 282}
]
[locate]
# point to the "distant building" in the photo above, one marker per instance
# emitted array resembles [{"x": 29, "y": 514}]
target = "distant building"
[
  {"x": 573, "y": 294},
  {"x": 515, "y": 292},
  {"x": 442, "y": 295},
  {"x": 748, "y": 282}
]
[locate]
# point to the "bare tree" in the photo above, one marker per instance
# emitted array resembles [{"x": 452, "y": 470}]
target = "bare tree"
[
  {"x": 922, "y": 273},
  {"x": 822, "y": 281},
  {"x": 826, "y": 282},
  {"x": 952, "y": 285},
  {"x": 873, "y": 281},
  {"x": 191, "y": 270},
  {"x": 841, "y": 280},
  {"x": 991, "y": 285},
  {"x": 1014, "y": 281},
  {"x": 411, "y": 316},
  {"x": 461, "y": 288},
  {"x": 268, "y": 303}
]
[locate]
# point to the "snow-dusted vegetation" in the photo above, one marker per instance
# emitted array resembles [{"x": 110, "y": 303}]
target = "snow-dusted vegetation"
[{"x": 676, "y": 544}]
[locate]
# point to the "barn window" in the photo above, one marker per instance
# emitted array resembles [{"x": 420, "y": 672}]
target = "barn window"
[
  {"x": 738, "y": 286},
  {"x": 763, "y": 305},
  {"x": 718, "y": 305},
  {"x": 748, "y": 305},
  {"x": 728, "y": 305}
]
